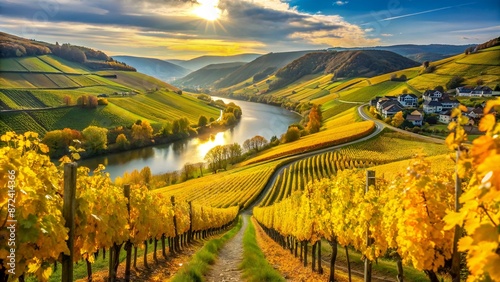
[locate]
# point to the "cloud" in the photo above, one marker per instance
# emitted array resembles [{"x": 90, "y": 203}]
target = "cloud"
[
  {"x": 341, "y": 3},
  {"x": 386, "y": 34},
  {"x": 247, "y": 25}
]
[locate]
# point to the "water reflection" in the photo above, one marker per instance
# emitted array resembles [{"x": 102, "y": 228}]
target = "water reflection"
[{"x": 257, "y": 119}]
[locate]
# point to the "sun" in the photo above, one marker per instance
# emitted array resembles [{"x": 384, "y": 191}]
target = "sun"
[{"x": 208, "y": 10}]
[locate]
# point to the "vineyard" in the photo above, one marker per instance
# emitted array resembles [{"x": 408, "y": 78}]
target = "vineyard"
[
  {"x": 414, "y": 216},
  {"x": 236, "y": 187},
  {"x": 319, "y": 140},
  {"x": 296, "y": 177},
  {"x": 131, "y": 217}
]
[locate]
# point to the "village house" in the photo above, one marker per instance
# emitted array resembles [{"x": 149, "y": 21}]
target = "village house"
[
  {"x": 391, "y": 108},
  {"x": 475, "y": 113},
  {"x": 478, "y": 91},
  {"x": 415, "y": 117},
  {"x": 432, "y": 95},
  {"x": 447, "y": 103},
  {"x": 445, "y": 117},
  {"x": 431, "y": 107},
  {"x": 386, "y": 101},
  {"x": 408, "y": 100}
]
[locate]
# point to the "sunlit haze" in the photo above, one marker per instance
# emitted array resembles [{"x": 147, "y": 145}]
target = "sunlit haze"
[{"x": 185, "y": 29}]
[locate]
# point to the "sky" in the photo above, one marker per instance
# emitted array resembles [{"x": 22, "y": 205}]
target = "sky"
[{"x": 183, "y": 29}]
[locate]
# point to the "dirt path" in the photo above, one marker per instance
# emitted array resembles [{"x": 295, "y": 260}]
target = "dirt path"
[{"x": 230, "y": 256}]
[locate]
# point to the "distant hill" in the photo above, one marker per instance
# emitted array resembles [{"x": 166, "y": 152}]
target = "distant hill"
[
  {"x": 12, "y": 46},
  {"x": 154, "y": 67},
  {"x": 262, "y": 63},
  {"x": 207, "y": 76},
  {"x": 422, "y": 57},
  {"x": 203, "y": 61},
  {"x": 419, "y": 53},
  {"x": 345, "y": 64}
]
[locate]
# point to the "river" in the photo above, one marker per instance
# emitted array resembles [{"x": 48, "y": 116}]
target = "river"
[{"x": 257, "y": 119}]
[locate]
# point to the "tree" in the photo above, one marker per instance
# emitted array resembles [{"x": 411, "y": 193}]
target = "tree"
[
  {"x": 439, "y": 88},
  {"x": 454, "y": 82},
  {"x": 258, "y": 142},
  {"x": 56, "y": 143},
  {"x": 187, "y": 170},
  {"x": 96, "y": 139},
  {"x": 398, "y": 119},
  {"x": 234, "y": 151},
  {"x": 176, "y": 127},
  {"x": 292, "y": 134},
  {"x": 216, "y": 158},
  {"x": 122, "y": 142},
  {"x": 229, "y": 118},
  {"x": 146, "y": 175},
  {"x": 202, "y": 121},
  {"x": 67, "y": 100},
  {"x": 82, "y": 101},
  {"x": 479, "y": 82},
  {"x": 314, "y": 123},
  {"x": 426, "y": 64},
  {"x": 166, "y": 129},
  {"x": 142, "y": 133},
  {"x": 93, "y": 102}
]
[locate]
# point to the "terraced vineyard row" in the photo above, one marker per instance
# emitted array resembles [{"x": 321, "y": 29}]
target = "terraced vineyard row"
[
  {"x": 237, "y": 187},
  {"x": 319, "y": 140},
  {"x": 23, "y": 99},
  {"x": 296, "y": 177}
]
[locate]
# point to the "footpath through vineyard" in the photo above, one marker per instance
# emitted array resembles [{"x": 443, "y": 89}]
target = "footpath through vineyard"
[{"x": 230, "y": 256}]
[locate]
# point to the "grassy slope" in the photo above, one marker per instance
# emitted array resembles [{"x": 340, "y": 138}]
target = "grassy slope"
[{"x": 46, "y": 79}]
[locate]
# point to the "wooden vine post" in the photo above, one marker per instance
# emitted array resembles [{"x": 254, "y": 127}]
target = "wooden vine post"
[
  {"x": 370, "y": 181},
  {"x": 190, "y": 232},
  {"x": 69, "y": 216},
  {"x": 174, "y": 245},
  {"x": 128, "y": 244}
]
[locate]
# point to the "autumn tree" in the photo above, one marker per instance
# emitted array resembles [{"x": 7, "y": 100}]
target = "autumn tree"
[
  {"x": 142, "y": 132},
  {"x": 96, "y": 139},
  {"x": 292, "y": 134},
  {"x": 255, "y": 143},
  {"x": 187, "y": 170},
  {"x": 166, "y": 129},
  {"x": 146, "y": 175},
  {"x": 202, "y": 121},
  {"x": 234, "y": 152},
  {"x": 314, "y": 123},
  {"x": 82, "y": 101},
  {"x": 92, "y": 102},
  {"x": 67, "y": 100},
  {"x": 122, "y": 142},
  {"x": 398, "y": 119}
]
